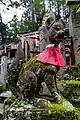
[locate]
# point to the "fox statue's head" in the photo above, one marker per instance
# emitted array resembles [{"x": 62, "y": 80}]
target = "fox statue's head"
[{"x": 56, "y": 32}]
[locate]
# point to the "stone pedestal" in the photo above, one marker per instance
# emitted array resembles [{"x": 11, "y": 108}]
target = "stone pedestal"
[{"x": 40, "y": 109}]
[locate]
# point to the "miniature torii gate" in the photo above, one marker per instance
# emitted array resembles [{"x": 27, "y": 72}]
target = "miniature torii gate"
[{"x": 26, "y": 40}]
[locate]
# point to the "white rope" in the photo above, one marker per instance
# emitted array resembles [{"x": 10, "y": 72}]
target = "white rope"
[
  {"x": 50, "y": 45},
  {"x": 1, "y": 64}
]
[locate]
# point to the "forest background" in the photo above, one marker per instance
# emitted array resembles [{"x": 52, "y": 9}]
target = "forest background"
[{"x": 31, "y": 17}]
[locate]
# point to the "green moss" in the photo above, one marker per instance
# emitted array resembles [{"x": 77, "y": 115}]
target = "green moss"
[
  {"x": 59, "y": 108},
  {"x": 69, "y": 82},
  {"x": 71, "y": 90},
  {"x": 23, "y": 110},
  {"x": 78, "y": 112},
  {"x": 77, "y": 100},
  {"x": 9, "y": 101},
  {"x": 73, "y": 71},
  {"x": 32, "y": 65}
]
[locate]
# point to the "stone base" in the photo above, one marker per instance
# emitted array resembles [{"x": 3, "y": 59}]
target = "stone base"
[{"x": 40, "y": 109}]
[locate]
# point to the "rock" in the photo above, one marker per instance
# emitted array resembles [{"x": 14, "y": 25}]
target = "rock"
[
  {"x": 5, "y": 95},
  {"x": 40, "y": 109},
  {"x": 1, "y": 111}
]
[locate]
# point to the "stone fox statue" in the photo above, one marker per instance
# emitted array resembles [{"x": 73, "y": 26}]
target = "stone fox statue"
[{"x": 26, "y": 78}]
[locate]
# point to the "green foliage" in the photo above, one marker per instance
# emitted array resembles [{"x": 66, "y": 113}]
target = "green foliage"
[
  {"x": 61, "y": 2},
  {"x": 13, "y": 30},
  {"x": 73, "y": 71},
  {"x": 32, "y": 17},
  {"x": 71, "y": 90},
  {"x": 69, "y": 82},
  {"x": 78, "y": 112},
  {"x": 9, "y": 101},
  {"x": 37, "y": 3}
]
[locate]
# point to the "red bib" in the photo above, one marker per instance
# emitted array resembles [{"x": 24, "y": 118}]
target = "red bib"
[{"x": 52, "y": 55}]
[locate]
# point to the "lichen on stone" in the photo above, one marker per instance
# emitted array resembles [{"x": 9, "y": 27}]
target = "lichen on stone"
[
  {"x": 42, "y": 109},
  {"x": 71, "y": 89}
]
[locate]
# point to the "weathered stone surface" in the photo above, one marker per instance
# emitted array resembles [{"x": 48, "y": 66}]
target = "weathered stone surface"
[
  {"x": 40, "y": 109},
  {"x": 3, "y": 96},
  {"x": 70, "y": 89},
  {"x": 1, "y": 111},
  {"x": 74, "y": 27}
]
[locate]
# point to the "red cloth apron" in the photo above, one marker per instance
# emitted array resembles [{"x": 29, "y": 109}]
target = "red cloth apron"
[{"x": 52, "y": 55}]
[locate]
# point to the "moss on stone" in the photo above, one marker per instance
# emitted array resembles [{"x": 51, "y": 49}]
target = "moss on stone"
[
  {"x": 78, "y": 112},
  {"x": 34, "y": 66},
  {"x": 41, "y": 110},
  {"x": 9, "y": 101},
  {"x": 73, "y": 71},
  {"x": 71, "y": 89},
  {"x": 69, "y": 82}
]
